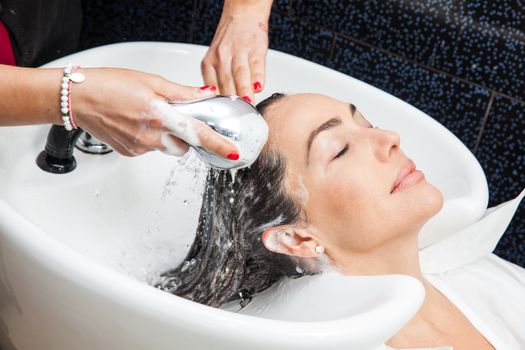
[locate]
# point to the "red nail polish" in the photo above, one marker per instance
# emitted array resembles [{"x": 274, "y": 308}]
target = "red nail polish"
[
  {"x": 213, "y": 88},
  {"x": 257, "y": 86},
  {"x": 204, "y": 87},
  {"x": 233, "y": 156},
  {"x": 247, "y": 98}
]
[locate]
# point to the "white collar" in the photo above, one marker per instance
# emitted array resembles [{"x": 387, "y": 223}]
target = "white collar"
[{"x": 472, "y": 242}]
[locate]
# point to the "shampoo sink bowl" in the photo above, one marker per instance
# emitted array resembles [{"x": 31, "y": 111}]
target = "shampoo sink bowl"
[{"x": 77, "y": 251}]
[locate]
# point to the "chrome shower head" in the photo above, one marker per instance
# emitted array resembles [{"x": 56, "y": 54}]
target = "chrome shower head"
[{"x": 233, "y": 118}]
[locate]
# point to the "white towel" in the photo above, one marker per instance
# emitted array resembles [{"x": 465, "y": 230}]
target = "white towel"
[{"x": 471, "y": 243}]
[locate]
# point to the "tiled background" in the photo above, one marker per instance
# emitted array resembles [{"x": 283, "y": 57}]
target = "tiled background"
[{"x": 460, "y": 61}]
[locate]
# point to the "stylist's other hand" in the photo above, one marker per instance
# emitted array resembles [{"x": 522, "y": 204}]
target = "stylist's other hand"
[
  {"x": 128, "y": 110},
  {"x": 236, "y": 59}
]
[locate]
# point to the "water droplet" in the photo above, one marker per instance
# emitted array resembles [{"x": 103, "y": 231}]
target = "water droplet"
[
  {"x": 170, "y": 284},
  {"x": 185, "y": 266},
  {"x": 233, "y": 173}
]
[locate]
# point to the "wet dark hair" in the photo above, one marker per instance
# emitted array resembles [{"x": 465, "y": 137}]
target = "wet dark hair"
[{"x": 228, "y": 261}]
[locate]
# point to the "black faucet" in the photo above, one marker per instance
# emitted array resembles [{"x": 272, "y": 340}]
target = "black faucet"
[{"x": 57, "y": 157}]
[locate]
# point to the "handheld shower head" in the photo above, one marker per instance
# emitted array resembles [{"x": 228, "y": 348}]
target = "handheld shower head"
[{"x": 233, "y": 118}]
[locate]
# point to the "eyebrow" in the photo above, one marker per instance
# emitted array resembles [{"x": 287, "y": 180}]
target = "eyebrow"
[{"x": 330, "y": 123}]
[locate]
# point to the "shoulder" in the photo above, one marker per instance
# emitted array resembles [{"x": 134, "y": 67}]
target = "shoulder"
[
  {"x": 490, "y": 291},
  {"x": 482, "y": 273},
  {"x": 492, "y": 266}
]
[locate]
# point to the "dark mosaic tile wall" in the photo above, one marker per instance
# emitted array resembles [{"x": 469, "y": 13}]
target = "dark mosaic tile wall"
[{"x": 460, "y": 61}]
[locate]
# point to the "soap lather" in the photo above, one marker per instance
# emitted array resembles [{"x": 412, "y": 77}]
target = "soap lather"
[{"x": 233, "y": 118}]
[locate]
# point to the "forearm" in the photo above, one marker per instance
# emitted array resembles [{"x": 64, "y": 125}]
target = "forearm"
[
  {"x": 29, "y": 96},
  {"x": 254, "y": 8}
]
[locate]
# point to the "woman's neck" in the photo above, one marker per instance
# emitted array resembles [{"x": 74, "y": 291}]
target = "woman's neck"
[
  {"x": 400, "y": 256},
  {"x": 397, "y": 256}
]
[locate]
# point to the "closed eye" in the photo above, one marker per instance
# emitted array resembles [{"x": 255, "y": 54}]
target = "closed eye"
[{"x": 342, "y": 152}]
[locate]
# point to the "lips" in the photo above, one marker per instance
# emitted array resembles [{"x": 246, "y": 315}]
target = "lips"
[{"x": 406, "y": 176}]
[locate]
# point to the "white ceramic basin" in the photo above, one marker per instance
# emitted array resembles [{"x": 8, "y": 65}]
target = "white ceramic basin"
[{"x": 77, "y": 250}]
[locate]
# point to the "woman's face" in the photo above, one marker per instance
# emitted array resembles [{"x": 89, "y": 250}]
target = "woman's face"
[{"x": 342, "y": 171}]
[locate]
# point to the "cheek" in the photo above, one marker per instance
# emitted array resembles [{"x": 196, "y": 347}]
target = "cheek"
[{"x": 348, "y": 209}]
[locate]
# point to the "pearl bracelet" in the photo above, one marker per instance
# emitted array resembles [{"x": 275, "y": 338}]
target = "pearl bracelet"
[{"x": 65, "y": 94}]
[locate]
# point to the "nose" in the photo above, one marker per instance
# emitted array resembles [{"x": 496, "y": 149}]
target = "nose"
[{"x": 386, "y": 143}]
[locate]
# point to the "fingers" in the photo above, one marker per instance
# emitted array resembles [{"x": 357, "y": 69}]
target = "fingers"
[
  {"x": 123, "y": 149},
  {"x": 258, "y": 69},
  {"x": 176, "y": 92},
  {"x": 208, "y": 73},
  {"x": 192, "y": 131},
  {"x": 212, "y": 141},
  {"x": 172, "y": 145},
  {"x": 209, "y": 140},
  {"x": 242, "y": 77},
  {"x": 225, "y": 78},
  {"x": 216, "y": 70},
  {"x": 238, "y": 78},
  {"x": 238, "y": 67}
]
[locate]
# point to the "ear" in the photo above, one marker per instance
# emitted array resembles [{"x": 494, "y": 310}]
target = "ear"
[{"x": 291, "y": 240}]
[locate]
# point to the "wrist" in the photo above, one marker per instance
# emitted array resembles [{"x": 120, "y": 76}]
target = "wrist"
[
  {"x": 257, "y": 9},
  {"x": 82, "y": 96},
  {"x": 46, "y": 96}
]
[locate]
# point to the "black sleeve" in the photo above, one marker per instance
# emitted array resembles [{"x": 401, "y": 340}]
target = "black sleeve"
[{"x": 41, "y": 30}]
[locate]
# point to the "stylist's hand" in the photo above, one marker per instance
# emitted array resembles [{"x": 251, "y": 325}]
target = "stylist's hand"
[
  {"x": 128, "y": 110},
  {"x": 236, "y": 59}
]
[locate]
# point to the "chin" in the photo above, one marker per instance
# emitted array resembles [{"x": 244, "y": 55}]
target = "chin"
[
  {"x": 432, "y": 199},
  {"x": 425, "y": 201}
]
